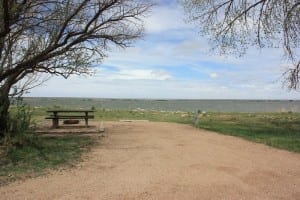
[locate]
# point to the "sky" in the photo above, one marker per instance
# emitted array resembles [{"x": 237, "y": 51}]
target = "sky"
[{"x": 172, "y": 61}]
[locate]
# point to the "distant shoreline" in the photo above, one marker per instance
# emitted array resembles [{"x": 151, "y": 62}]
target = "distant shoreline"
[
  {"x": 163, "y": 99},
  {"x": 189, "y": 105}
]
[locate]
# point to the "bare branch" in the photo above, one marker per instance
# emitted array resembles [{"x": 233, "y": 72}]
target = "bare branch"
[{"x": 234, "y": 25}]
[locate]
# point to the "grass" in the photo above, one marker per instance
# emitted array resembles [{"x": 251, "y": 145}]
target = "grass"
[
  {"x": 40, "y": 153},
  {"x": 280, "y": 130},
  {"x": 39, "y": 114},
  {"x": 177, "y": 117}
]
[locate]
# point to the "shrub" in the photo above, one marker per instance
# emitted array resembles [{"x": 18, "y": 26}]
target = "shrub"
[{"x": 21, "y": 126}]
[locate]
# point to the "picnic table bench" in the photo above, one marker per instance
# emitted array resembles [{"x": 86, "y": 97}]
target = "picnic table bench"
[{"x": 69, "y": 114}]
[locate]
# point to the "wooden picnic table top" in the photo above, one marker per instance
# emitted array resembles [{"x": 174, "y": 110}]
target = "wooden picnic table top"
[
  {"x": 56, "y": 116},
  {"x": 70, "y": 111}
]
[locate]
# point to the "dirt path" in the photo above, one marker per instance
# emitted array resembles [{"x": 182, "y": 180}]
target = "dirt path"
[{"x": 146, "y": 160}]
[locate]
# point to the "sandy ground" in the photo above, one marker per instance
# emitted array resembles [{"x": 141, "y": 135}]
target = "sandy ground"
[{"x": 147, "y": 160}]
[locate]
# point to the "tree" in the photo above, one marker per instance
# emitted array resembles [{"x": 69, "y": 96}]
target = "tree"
[
  {"x": 234, "y": 25},
  {"x": 60, "y": 38}
]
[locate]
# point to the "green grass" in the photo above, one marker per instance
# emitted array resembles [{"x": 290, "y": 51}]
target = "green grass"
[
  {"x": 39, "y": 114},
  {"x": 113, "y": 115},
  {"x": 280, "y": 130},
  {"x": 40, "y": 153}
]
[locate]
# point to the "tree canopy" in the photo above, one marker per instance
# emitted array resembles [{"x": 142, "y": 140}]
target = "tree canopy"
[
  {"x": 60, "y": 38},
  {"x": 234, "y": 25}
]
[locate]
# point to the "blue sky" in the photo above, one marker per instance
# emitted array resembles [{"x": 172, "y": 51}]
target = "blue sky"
[{"x": 173, "y": 61}]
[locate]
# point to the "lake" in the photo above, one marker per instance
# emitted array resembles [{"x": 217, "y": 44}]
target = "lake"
[{"x": 168, "y": 105}]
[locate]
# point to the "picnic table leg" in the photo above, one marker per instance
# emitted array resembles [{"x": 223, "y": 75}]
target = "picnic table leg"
[
  {"x": 55, "y": 122},
  {"x": 86, "y": 119}
]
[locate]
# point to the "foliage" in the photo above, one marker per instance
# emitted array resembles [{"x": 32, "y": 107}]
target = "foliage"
[
  {"x": 42, "y": 153},
  {"x": 234, "y": 25},
  {"x": 20, "y": 117},
  {"x": 20, "y": 124},
  {"x": 178, "y": 117},
  {"x": 280, "y": 130}
]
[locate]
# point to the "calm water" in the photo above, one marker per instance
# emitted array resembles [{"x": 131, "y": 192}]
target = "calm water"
[{"x": 170, "y": 105}]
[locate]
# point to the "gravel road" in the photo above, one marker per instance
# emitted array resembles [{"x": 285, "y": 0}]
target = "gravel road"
[{"x": 154, "y": 160}]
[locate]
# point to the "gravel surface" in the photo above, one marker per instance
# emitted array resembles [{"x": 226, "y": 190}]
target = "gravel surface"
[{"x": 147, "y": 160}]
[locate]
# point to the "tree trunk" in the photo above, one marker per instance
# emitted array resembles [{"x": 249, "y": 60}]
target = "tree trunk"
[{"x": 4, "y": 106}]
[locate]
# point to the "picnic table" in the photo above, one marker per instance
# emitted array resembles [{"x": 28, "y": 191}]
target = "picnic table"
[{"x": 69, "y": 114}]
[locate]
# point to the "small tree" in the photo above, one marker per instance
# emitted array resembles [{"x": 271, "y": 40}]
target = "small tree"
[
  {"x": 234, "y": 25},
  {"x": 60, "y": 38}
]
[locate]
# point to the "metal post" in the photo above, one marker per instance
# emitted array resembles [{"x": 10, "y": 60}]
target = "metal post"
[{"x": 196, "y": 117}]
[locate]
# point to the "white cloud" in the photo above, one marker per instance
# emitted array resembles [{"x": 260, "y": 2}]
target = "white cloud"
[
  {"x": 214, "y": 75},
  {"x": 136, "y": 74},
  {"x": 164, "y": 18},
  {"x": 174, "y": 89}
]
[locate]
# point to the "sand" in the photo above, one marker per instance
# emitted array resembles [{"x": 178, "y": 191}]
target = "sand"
[{"x": 154, "y": 160}]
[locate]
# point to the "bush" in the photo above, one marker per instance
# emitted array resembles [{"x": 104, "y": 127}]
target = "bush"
[{"x": 21, "y": 126}]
